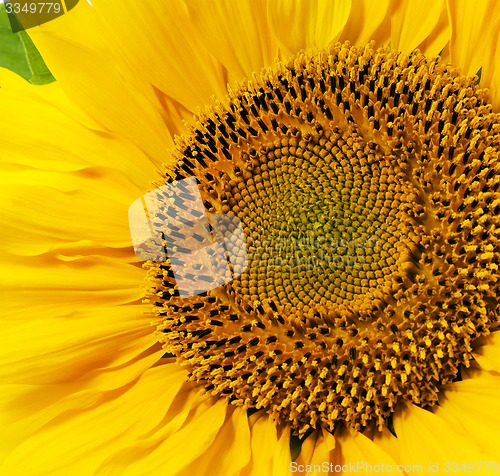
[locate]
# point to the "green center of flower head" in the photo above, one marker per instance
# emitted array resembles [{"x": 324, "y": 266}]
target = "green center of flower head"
[{"x": 366, "y": 182}]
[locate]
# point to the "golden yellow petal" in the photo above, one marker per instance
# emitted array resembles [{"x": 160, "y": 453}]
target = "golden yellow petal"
[
  {"x": 183, "y": 67},
  {"x": 178, "y": 450},
  {"x": 46, "y": 130},
  {"x": 472, "y": 407},
  {"x": 487, "y": 352},
  {"x": 316, "y": 449},
  {"x": 71, "y": 346},
  {"x": 62, "y": 181},
  {"x": 307, "y": 24},
  {"x": 425, "y": 438},
  {"x": 78, "y": 439},
  {"x": 80, "y": 51},
  {"x": 235, "y": 33},
  {"x": 413, "y": 22},
  {"x": 493, "y": 80},
  {"x": 360, "y": 451},
  {"x": 368, "y": 20},
  {"x": 263, "y": 444},
  {"x": 281, "y": 457},
  {"x": 63, "y": 283},
  {"x": 475, "y": 27},
  {"x": 437, "y": 40},
  {"x": 230, "y": 451},
  {"x": 82, "y": 207}
]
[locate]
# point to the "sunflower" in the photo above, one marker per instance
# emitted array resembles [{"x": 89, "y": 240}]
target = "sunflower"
[{"x": 357, "y": 144}]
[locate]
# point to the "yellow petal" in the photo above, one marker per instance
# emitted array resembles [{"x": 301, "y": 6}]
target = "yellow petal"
[
  {"x": 236, "y": 33},
  {"x": 315, "y": 451},
  {"x": 162, "y": 45},
  {"x": 282, "y": 458},
  {"x": 184, "y": 446},
  {"x": 264, "y": 444},
  {"x": 359, "y": 451},
  {"x": 270, "y": 454},
  {"x": 472, "y": 407},
  {"x": 47, "y": 131},
  {"x": 62, "y": 181},
  {"x": 43, "y": 211},
  {"x": 493, "y": 80},
  {"x": 368, "y": 20},
  {"x": 413, "y": 22},
  {"x": 28, "y": 408},
  {"x": 426, "y": 438},
  {"x": 70, "y": 347},
  {"x": 155, "y": 46},
  {"x": 230, "y": 450},
  {"x": 475, "y": 28},
  {"x": 78, "y": 48},
  {"x": 307, "y": 24},
  {"x": 54, "y": 286},
  {"x": 437, "y": 41},
  {"x": 488, "y": 352},
  {"x": 78, "y": 441}
]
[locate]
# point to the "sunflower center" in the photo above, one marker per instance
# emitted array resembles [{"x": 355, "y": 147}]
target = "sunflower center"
[
  {"x": 327, "y": 222},
  {"x": 367, "y": 189}
]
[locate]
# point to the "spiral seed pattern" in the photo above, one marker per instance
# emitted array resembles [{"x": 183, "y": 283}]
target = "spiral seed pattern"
[{"x": 366, "y": 182}]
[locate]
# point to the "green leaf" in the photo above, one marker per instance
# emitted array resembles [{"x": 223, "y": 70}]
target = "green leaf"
[
  {"x": 19, "y": 54},
  {"x": 40, "y": 74}
]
